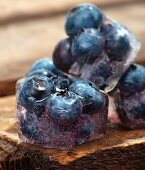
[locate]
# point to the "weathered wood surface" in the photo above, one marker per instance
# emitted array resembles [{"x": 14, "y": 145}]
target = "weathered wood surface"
[
  {"x": 23, "y": 42},
  {"x": 119, "y": 149}
]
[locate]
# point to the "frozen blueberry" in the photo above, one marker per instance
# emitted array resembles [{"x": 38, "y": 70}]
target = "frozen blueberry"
[
  {"x": 98, "y": 73},
  {"x": 44, "y": 63},
  {"x": 62, "y": 83},
  {"x": 93, "y": 100},
  {"x": 133, "y": 80},
  {"x": 87, "y": 45},
  {"x": 131, "y": 110},
  {"x": 43, "y": 72},
  {"x": 107, "y": 28},
  {"x": 64, "y": 107},
  {"x": 129, "y": 97},
  {"x": 85, "y": 128},
  {"x": 34, "y": 92},
  {"x": 83, "y": 16},
  {"x": 28, "y": 128},
  {"x": 62, "y": 56},
  {"x": 117, "y": 42},
  {"x": 136, "y": 108},
  {"x": 51, "y": 115}
]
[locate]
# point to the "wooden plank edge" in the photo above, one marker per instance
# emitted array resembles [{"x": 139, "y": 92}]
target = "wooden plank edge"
[
  {"x": 7, "y": 87},
  {"x": 130, "y": 155},
  {"x": 12, "y": 157}
]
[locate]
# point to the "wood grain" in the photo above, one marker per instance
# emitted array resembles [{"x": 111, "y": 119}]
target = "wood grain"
[
  {"x": 119, "y": 149},
  {"x": 22, "y": 43},
  {"x": 17, "y": 10}
]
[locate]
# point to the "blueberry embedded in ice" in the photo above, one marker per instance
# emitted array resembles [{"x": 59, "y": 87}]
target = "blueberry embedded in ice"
[
  {"x": 104, "y": 60},
  {"x": 130, "y": 98},
  {"x": 85, "y": 128},
  {"x": 99, "y": 72},
  {"x": 107, "y": 28},
  {"x": 82, "y": 16},
  {"x": 41, "y": 72},
  {"x": 131, "y": 110},
  {"x": 118, "y": 43},
  {"x": 117, "y": 47},
  {"x": 93, "y": 100},
  {"x": 44, "y": 63},
  {"x": 64, "y": 107},
  {"x": 62, "y": 83},
  {"x": 34, "y": 91},
  {"x": 51, "y": 111},
  {"x": 136, "y": 106},
  {"x": 133, "y": 80},
  {"x": 62, "y": 56},
  {"x": 87, "y": 45},
  {"x": 28, "y": 126},
  {"x": 109, "y": 42}
]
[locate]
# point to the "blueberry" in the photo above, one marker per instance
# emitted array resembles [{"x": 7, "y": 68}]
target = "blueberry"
[
  {"x": 42, "y": 72},
  {"x": 28, "y": 127},
  {"x": 85, "y": 132},
  {"x": 133, "y": 80},
  {"x": 85, "y": 127},
  {"x": 138, "y": 108},
  {"x": 131, "y": 109},
  {"x": 107, "y": 28},
  {"x": 64, "y": 107},
  {"x": 62, "y": 83},
  {"x": 39, "y": 108},
  {"x": 92, "y": 99},
  {"x": 87, "y": 45},
  {"x": 62, "y": 56},
  {"x": 34, "y": 92},
  {"x": 117, "y": 43},
  {"x": 44, "y": 63},
  {"x": 102, "y": 72},
  {"x": 83, "y": 16}
]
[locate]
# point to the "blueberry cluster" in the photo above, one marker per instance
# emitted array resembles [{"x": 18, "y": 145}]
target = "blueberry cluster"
[
  {"x": 61, "y": 104},
  {"x": 98, "y": 48},
  {"x": 130, "y": 98},
  {"x": 57, "y": 110}
]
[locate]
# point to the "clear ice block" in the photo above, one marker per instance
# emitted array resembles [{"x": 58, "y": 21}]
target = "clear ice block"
[
  {"x": 108, "y": 67},
  {"x": 37, "y": 125}
]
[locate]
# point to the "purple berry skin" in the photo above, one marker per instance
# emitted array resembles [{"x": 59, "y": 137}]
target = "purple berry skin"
[{"x": 62, "y": 56}]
